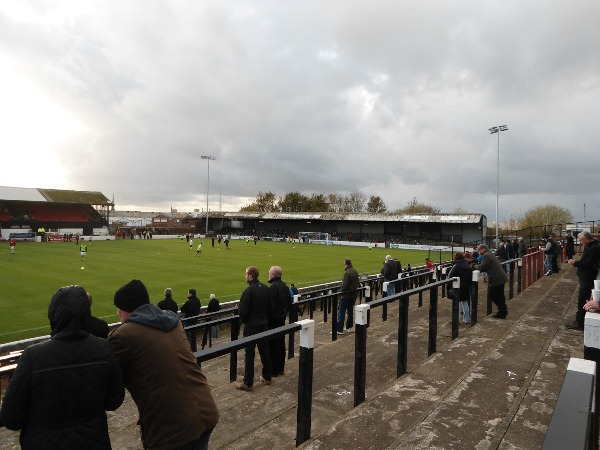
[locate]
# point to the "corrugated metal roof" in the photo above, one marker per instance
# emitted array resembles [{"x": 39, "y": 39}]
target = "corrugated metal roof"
[{"x": 352, "y": 217}]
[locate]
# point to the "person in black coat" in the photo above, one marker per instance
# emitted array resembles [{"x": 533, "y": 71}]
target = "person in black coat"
[
  {"x": 61, "y": 389},
  {"x": 96, "y": 326},
  {"x": 570, "y": 246},
  {"x": 587, "y": 270},
  {"x": 390, "y": 274},
  {"x": 168, "y": 304},
  {"x": 462, "y": 270},
  {"x": 254, "y": 314},
  {"x": 191, "y": 308},
  {"x": 213, "y": 306},
  {"x": 280, "y": 303}
]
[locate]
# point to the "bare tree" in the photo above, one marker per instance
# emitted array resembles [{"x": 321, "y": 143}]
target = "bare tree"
[
  {"x": 336, "y": 202},
  {"x": 355, "y": 201}
]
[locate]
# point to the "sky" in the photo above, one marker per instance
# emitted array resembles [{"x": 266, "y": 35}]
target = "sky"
[{"x": 392, "y": 98}]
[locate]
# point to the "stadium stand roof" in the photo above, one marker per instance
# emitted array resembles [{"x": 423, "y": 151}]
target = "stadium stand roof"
[
  {"x": 52, "y": 195},
  {"x": 384, "y": 217}
]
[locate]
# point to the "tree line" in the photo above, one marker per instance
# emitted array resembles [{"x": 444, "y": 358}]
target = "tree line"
[
  {"x": 354, "y": 202},
  {"x": 548, "y": 218}
]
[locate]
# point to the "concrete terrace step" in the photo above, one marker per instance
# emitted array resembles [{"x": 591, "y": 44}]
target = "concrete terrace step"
[
  {"x": 266, "y": 417},
  {"x": 492, "y": 388}
]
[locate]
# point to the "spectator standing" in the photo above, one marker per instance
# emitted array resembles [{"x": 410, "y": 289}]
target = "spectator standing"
[
  {"x": 390, "y": 274},
  {"x": 570, "y": 243},
  {"x": 497, "y": 279},
  {"x": 558, "y": 251},
  {"x": 348, "y": 294},
  {"x": 509, "y": 250},
  {"x": 61, "y": 389},
  {"x": 280, "y": 302},
  {"x": 293, "y": 289},
  {"x": 95, "y": 326},
  {"x": 522, "y": 247},
  {"x": 293, "y": 293},
  {"x": 398, "y": 266},
  {"x": 587, "y": 269},
  {"x": 175, "y": 405},
  {"x": 462, "y": 270},
  {"x": 550, "y": 252},
  {"x": 191, "y": 308},
  {"x": 515, "y": 248},
  {"x": 254, "y": 314},
  {"x": 501, "y": 253},
  {"x": 213, "y": 306},
  {"x": 168, "y": 304}
]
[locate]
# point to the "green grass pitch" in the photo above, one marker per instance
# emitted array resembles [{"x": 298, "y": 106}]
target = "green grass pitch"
[{"x": 32, "y": 275}]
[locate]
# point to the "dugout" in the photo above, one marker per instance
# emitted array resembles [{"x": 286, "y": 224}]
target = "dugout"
[
  {"x": 363, "y": 227},
  {"x": 52, "y": 210}
]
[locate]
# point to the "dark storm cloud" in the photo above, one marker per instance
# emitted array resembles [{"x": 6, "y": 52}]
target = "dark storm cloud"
[{"x": 392, "y": 98}]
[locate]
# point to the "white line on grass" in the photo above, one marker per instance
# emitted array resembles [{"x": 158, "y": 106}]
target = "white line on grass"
[{"x": 23, "y": 331}]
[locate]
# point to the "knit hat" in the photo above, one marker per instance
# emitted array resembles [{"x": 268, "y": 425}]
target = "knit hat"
[
  {"x": 212, "y": 296},
  {"x": 388, "y": 258},
  {"x": 131, "y": 296}
]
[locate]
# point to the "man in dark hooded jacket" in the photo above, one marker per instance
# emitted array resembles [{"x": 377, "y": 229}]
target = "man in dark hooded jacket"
[
  {"x": 61, "y": 389},
  {"x": 280, "y": 302},
  {"x": 173, "y": 398}
]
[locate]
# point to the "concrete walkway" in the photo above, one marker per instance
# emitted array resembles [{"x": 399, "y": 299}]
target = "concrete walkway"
[{"x": 493, "y": 387}]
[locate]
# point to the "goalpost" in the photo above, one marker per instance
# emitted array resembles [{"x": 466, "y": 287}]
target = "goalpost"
[{"x": 313, "y": 237}]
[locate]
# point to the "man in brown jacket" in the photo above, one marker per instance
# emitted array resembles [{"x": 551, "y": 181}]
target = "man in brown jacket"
[
  {"x": 172, "y": 395},
  {"x": 348, "y": 294}
]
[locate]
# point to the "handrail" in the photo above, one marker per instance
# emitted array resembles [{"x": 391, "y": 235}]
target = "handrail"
[
  {"x": 574, "y": 410},
  {"x": 233, "y": 346},
  {"x": 305, "y": 371}
]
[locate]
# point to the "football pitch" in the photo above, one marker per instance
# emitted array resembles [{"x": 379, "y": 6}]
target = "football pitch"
[{"x": 33, "y": 274}]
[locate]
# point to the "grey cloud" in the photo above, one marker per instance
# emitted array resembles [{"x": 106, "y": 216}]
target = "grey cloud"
[{"x": 393, "y": 98}]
